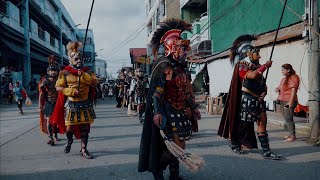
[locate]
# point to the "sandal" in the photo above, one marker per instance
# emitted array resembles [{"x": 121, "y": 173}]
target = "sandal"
[
  {"x": 51, "y": 142},
  {"x": 68, "y": 147},
  {"x": 290, "y": 139},
  {"x": 270, "y": 155},
  {"x": 86, "y": 154}
]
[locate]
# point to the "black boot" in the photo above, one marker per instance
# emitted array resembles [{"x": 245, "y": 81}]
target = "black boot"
[
  {"x": 266, "y": 152},
  {"x": 158, "y": 175},
  {"x": 174, "y": 169},
  {"x": 70, "y": 141}
]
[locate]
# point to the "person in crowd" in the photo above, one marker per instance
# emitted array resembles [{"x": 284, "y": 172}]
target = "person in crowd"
[
  {"x": 288, "y": 98},
  {"x": 77, "y": 84},
  {"x": 19, "y": 93},
  {"x": 47, "y": 100},
  {"x": 245, "y": 103},
  {"x": 167, "y": 98},
  {"x": 33, "y": 85}
]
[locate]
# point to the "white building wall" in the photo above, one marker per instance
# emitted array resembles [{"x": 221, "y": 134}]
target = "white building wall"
[{"x": 220, "y": 71}]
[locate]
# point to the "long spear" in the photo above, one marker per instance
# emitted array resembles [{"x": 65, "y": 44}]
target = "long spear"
[
  {"x": 85, "y": 38},
  {"x": 275, "y": 38}
]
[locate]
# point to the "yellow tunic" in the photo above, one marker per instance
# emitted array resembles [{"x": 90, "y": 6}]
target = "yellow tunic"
[{"x": 78, "y": 109}]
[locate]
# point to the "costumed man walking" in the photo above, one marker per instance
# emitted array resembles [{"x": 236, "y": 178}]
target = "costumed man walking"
[
  {"x": 245, "y": 102},
  {"x": 138, "y": 87},
  {"x": 47, "y": 100},
  {"x": 166, "y": 102},
  {"x": 76, "y": 86}
]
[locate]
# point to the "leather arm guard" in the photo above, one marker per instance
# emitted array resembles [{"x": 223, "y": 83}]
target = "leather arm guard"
[
  {"x": 156, "y": 104},
  {"x": 190, "y": 103}
]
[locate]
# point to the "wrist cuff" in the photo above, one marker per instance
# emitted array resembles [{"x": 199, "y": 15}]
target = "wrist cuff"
[{"x": 262, "y": 68}]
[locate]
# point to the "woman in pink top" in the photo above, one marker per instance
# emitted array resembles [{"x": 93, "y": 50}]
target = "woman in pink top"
[{"x": 288, "y": 98}]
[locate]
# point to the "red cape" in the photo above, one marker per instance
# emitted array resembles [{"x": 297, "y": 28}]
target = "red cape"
[
  {"x": 58, "y": 112},
  {"x": 231, "y": 127}
]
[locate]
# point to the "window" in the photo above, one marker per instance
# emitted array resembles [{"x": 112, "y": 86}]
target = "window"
[
  {"x": 3, "y": 7},
  {"x": 41, "y": 33},
  {"x": 52, "y": 41}
]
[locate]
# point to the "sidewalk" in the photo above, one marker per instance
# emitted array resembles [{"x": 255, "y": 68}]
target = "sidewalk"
[{"x": 302, "y": 124}]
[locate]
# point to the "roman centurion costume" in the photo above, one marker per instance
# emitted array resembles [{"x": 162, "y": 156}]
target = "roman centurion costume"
[
  {"x": 138, "y": 90},
  {"x": 167, "y": 98},
  {"x": 47, "y": 100},
  {"x": 245, "y": 104},
  {"x": 76, "y": 86}
]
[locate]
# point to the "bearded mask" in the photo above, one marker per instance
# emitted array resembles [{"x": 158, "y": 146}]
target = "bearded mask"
[{"x": 75, "y": 56}]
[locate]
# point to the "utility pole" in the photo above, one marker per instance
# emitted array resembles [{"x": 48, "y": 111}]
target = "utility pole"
[{"x": 314, "y": 72}]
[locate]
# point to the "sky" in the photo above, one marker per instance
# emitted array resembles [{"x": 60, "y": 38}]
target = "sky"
[{"x": 112, "y": 21}]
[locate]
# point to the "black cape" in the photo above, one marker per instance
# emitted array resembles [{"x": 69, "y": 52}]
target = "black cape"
[{"x": 151, "y": 144}]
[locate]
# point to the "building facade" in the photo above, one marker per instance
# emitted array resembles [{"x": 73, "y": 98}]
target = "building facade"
[
  {"x": 156, "y": 12},
  {"x": 100, "y": 68},
  {"x": 31, "y": 30}
]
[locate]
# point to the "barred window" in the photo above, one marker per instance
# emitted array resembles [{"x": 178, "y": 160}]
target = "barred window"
[
  {"x": 3, "y": 7},
  {"x": 52, "y": 41},
  {"x": 41, "y": 33}
]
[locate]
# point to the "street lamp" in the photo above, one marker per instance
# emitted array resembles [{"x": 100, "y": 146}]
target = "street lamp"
[
  {"x": 75, "y": 26},
  {"x": 97, "y": 52}
]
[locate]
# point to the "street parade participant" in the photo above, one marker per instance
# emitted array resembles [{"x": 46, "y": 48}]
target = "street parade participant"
[
  {"x": 138, "y": 88},
  {"x": 245, "y": 102},
  {"x": 19, "y": 94},
  {"x": 76, "y": 86},
  {"x": 167, "y": 98},
  {"x": 47, "y": 100},
  {"x": 120, "y": 83}
]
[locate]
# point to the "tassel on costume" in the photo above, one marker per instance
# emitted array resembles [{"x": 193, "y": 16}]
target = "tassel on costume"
[{"x": 190, "y": 161}]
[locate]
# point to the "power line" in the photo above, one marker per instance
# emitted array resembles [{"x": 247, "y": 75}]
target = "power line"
[{"x": 138, "y": 31}]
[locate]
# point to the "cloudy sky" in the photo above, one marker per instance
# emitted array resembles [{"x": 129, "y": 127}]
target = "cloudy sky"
[{"x": 112, "y": 21}]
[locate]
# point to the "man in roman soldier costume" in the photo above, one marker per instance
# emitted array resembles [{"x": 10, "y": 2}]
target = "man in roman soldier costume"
[
  {"x": 47, "y": 100},
  {"x": 76, "y": 86},
  {"x": 138, "y": 87},
  {"x": 120, "y": 83},
  {"x": 167, "y": 98},
  {"x": 245, "y": 102}
]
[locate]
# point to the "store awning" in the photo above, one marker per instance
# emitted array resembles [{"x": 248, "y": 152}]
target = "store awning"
[
  {"x": 201, "y": 48},
  {"x": 12, "y": 46}
]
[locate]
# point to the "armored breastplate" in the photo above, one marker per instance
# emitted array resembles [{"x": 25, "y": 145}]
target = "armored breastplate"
[
  {"x": 176, "y": 89},
  {"x": 141, "y": 87},
  {"x": 51, "y": 92},
  {"x": 255, "y": 86}
]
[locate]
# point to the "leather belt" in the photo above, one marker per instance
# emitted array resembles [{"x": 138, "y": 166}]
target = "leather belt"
[{"x": 248, "y": 91}]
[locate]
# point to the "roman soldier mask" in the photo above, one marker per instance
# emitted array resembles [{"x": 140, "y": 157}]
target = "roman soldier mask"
[
  {"x": 174, "y": 45},
  {"x": 74, "y": 54},
  {"x": 53, "y": 68}
]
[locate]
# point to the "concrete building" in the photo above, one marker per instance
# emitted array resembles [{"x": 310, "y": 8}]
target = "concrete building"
[
  {"x": 100, "y": 68},
  {"x": 31, "y": 30},
  {"x": 157, "y": 11}
]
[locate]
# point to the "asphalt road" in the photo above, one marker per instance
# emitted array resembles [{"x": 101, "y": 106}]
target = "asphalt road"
[{"x": 114, "y": 141}]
